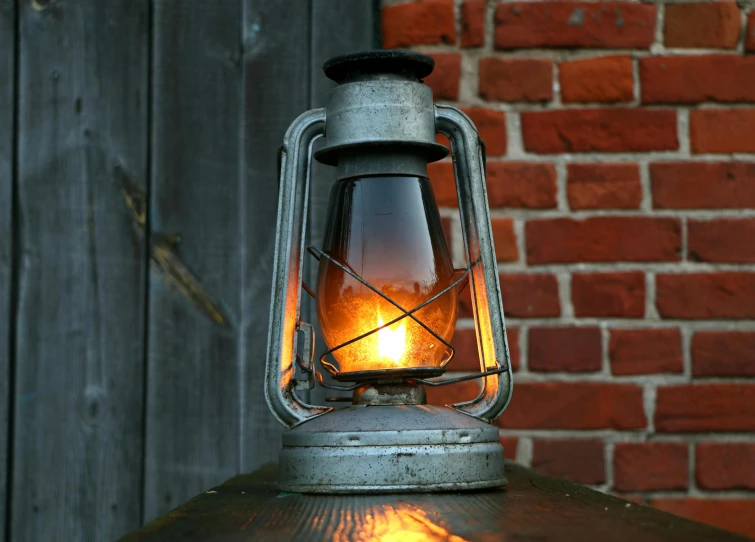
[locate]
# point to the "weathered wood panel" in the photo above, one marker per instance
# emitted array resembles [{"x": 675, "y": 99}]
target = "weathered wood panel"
[
  {"x": 77, "y": 450},
  {"x": 194, "y": 378},
  {"x": 532, "y": 507},
  {"x": 7, "y": 81},
  {"x": 228, "y": 78},
  {"x": 276, "y": 91},
  {"x": 338, "y": 27}
]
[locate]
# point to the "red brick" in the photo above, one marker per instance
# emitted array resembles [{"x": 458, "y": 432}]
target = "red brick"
[
  {"x": 521, "y": 184},
  {"x": 453, "y": 393},
  {"x": 424, "y": 22},
  {"x": 725, "y": 465},
  {"x": 645, "y": 351},
  {"x": 530, "y": 295},
  {"x": 467, "y": 357},
  {"x": 691, "y": 79},
  {"x": 473, "y": 23},
  {"x": 605, "y": 79},
  {"x": 736, "y": 515},
  {"x": 446, "y": 76},
  {"x": 609, "y": 294},
  {"x": 723, "y": 353},
  {"x": 575, "y": 405},
  {"x": 465, "y": 305},
  {"x": 702, "y": 24},
  {"x": 524, "y": 296},
  {"x": 516, "y": 79},
  {"x": 504, "y": 239},
  {"x": 614, "y": 25},
  {"x": 603, "y": 186},
  {"x": 705, "y": 407},
  {"x": 447, "y": 225},
  {"x": 512, "y": 337},
  {"x": 750, "y": 37},
  {"x": 579, "y": 460},
  {"x": 492, "y": 127},
  {"x": 442, "y": 177},
  {"x": 648, "y": 466},
  {"x": 603, "y": 239},
  {"x": 569, "y": 349},
  {"x": 599, "y": 130},
  {"x": 706, "y": 295},
  {"x": 723, "y": 240},
  {"x": 509, "y": 447},
  {"x": 722, "y": 131},
  {"x": 510, "y": 184},
  {"x": 698, "y": 185}
]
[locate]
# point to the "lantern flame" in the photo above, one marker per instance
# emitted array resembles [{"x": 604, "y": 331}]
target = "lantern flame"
[{"x": 391, "y": 342}]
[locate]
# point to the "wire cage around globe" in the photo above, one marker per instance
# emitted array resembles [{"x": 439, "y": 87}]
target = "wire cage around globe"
[
  {"x": 389, "y": 340},
  {"x": 386, "y": 298}
]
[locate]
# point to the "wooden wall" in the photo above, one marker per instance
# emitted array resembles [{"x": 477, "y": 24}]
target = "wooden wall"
[{"x": 138, "y": 194}]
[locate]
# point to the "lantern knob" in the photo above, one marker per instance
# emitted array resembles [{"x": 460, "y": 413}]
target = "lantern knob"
[{"x": 411, "y": 65}]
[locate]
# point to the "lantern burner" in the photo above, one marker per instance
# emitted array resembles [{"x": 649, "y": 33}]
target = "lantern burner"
[{"x": 398, "y": 392}]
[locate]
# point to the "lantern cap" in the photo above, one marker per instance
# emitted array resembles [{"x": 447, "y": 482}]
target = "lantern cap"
[
  {"x": 407, "y": 63},
  {"x": 380, "y": 105}
]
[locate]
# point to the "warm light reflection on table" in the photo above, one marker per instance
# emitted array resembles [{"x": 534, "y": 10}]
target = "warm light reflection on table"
[{"x": 401, "y": 523}]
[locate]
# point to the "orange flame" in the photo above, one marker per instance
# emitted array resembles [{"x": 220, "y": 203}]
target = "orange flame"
[{"x": 391, "y": 340}]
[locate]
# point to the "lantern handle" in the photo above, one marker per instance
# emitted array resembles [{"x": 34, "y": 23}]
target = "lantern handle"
[
  {"x": 294, "y": 162},
  {"x": 469, "y": 168}
]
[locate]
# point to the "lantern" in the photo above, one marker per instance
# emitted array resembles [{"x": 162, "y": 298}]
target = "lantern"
[{"x": 386, "y": 293}]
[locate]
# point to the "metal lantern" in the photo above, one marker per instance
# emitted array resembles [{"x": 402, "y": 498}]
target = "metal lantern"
[{"x": 386, "y": 293}]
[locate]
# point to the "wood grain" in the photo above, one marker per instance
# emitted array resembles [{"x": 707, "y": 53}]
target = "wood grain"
[
  {"x": 229, "y": 79},
  {"x": 95, "y": 218},
  {"x": 7, "y": 82},
  {"x": 532, "y": 507},
  {"x": 193, "y": 393},
  {"x": 82, "y": 98}
]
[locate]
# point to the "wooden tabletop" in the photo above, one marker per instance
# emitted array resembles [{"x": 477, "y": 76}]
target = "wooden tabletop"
[{"x": 532, "y": 508}]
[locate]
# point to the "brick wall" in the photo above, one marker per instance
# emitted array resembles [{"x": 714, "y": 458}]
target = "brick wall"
[{"x": 621, "y": 179}]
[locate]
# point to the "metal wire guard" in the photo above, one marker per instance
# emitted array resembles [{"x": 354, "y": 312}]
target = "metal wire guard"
[
  {"x": 407, "y": 373},
  {"x": 347, "y": 269}
]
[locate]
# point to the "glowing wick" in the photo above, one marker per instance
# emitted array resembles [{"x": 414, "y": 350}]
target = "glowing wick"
[{"x": 391, "y": 342}]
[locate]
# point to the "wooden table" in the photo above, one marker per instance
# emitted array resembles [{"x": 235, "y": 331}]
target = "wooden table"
[{"x": 532, "y": 508}]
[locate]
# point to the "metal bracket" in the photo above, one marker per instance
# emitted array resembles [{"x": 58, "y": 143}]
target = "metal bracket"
[
  {"x": 469, "y": 166},
  {"x": 280, "y": 384},
  {"x": 306, "y": 359}
]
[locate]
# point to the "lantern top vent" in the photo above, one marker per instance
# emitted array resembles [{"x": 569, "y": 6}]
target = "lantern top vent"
[
  {"x": 405, "y": 64},
  {"x": 380, "y": 107}
]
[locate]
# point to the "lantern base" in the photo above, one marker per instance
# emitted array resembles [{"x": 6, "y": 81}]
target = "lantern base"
[{"x": 391, "y": 449}]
